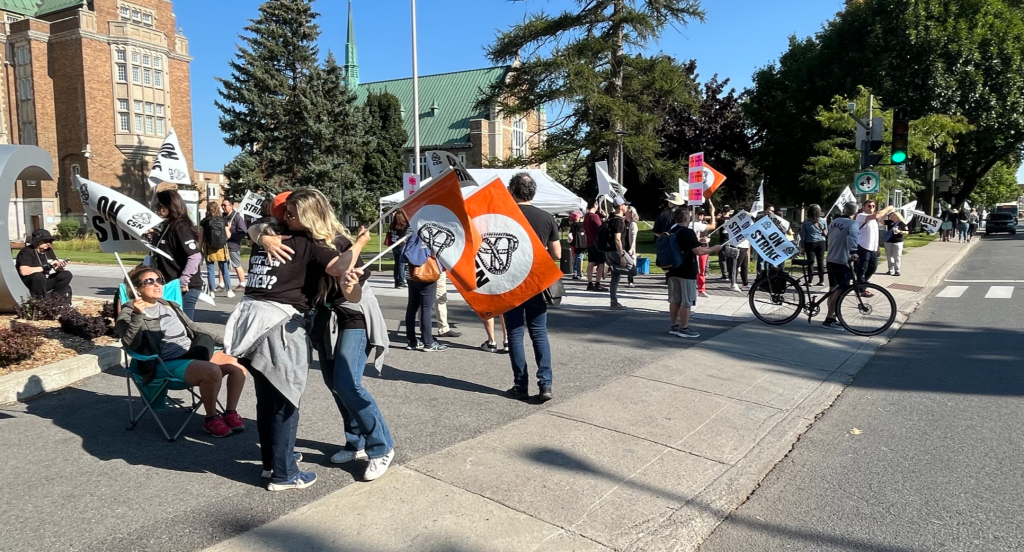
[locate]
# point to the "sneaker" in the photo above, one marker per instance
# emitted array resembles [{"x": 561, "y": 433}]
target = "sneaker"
[
  {"x": 866, "y": 293},
  {"x": 703, "y": 294},
  {"x": 234, "y": 421},
  {"x": 674, "y": 330},
  {"x": 230, "y": 294},
  {"x": 833, "y": 325},
  {"x": 418, "y": 345},
  {"x": 267, "y": 474},
  {"x": 599, "y": 287},
  {"x": 545, "y": 393},
  {"x": 896, "y": 274},
  {"x": 378, "y": 466},
  {"x": 504, "y": 347},
  {"x": 745, "y": 288},
  {"x": 631, "y": 284},
  {"x": 489, "y": 347},
  {"x": 518, "y": 393},
  {"x": 216, "y": 427},
  {"x": 240, "y": 287},
  {"x": 450, "y": 333},
  {"x": 590, "y": 286},
  {"x": 219, "y": 288},
  {"x": 435, "y": 346},
  {"x": 688, "y": 333},
  {"x": 301, "y": 481},
  {"x": 346, "y": 456},
  {"x": 618, "y": 307},
  {"x": 734, "y": 288}
]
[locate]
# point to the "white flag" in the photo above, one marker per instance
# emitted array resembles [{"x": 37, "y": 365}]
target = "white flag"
[
  {"x": 120, "y": 222},
  {"x": 170, "y": 165},
  {"x": 607, "y": 185},
  {"x": 684, "y": 188},
  {"x": 440, "y": 161},
  {"x": 758, "y": 205},
  {"x": 908, "y": 211},
  {"x": 844, "y": 198}
]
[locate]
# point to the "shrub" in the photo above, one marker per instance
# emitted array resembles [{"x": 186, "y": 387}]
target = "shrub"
[
  {"x": 88, "y": 327},
  {"x": 68, "y": 230},
  {"x": 50, "y": 307},
  {"x": 18, "y": 343}
]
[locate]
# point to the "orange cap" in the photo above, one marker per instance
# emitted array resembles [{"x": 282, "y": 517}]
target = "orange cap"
[{"x": 277, "y": 207}]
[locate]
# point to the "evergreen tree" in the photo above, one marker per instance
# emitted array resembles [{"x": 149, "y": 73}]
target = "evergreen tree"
[
  {"x": 293, "y": 119},
  {"x": 385, "y": 156},
  {"x": 589, "y": 70}
]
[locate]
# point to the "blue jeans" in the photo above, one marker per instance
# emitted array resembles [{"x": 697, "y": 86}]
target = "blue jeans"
[
  {"x": 211, "y": 274},
  {"x": 277, "y": 422},
  {"x": 867, "y": 263},
  {"x": 421, "y": 299},
  {"x": 577, "y": 264},
  {"x": 364, "y": 426},
  {"x": 961, "y": 230},
  {"x": 399, "y": 253},
  {"x": 189, "y": 300},
  {"x": 531, "y": 315}
]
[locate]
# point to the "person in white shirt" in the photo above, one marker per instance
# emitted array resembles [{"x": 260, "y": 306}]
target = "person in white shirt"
[{"x": 867, "y": 239}]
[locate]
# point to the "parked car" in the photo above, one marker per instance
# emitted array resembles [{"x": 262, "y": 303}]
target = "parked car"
[{"x": 1000, "y": 222}]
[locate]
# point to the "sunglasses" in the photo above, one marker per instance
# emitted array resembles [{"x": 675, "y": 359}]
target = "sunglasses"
[
  {"x": 872, "y": 205},
  {"x": 151, "y": 281}
]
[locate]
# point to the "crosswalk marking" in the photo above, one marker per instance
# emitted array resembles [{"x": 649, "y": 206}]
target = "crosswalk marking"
[
  {"x": 999, "y": 292},
  {"x": 952, "y": 291}
]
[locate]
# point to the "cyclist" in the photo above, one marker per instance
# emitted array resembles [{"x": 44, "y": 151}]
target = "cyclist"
[{"x": 842, "y": 249}]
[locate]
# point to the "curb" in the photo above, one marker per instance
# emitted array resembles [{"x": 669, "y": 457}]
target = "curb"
[
  {"x": 44, "y": 379},
  {"x": 688, "y": 527}
]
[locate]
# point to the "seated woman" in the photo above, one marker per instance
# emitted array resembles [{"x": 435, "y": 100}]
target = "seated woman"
[{"x": 149, "y": 325}]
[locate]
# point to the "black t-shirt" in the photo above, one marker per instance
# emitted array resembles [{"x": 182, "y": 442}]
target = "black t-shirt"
[
  {"x": 896, "y": 238},
  {"x": 235, "y": 223},
  {"x": 32, "y": 257},
  {"x": 687, "y": 240},
  {"x": 665, "y": 221},
  {"x": 542, "y": 222},
  {"x": 617, "y": 225},
  {"x": 295, "y": 282},
  {"x": 180, "y": 241},
  {"x": 348, "y": 319}
]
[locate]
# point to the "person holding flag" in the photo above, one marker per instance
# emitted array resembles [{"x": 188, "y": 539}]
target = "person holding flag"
[{"x": 179, "y": 240}]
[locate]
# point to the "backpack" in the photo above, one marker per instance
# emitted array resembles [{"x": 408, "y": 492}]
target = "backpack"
[
  {"x": 579, "y": 237},
  {"x": 605, "y": 239},
  {"x": 218, "y": 237},
  {"x": 669, "y": 255}
]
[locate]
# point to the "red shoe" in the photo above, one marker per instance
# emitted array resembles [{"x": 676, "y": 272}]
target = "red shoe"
[
  {"x": 234, "y": 421},
  {"x": 216, "y": 427}
]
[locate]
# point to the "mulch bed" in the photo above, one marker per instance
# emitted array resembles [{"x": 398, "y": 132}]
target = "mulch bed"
[{"x": 57, "y": 345}]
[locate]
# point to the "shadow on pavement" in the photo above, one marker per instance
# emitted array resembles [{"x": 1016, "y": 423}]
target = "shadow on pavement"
[
  {"x": 568, "y": 462},
  {"x": 391, "y": 373}
]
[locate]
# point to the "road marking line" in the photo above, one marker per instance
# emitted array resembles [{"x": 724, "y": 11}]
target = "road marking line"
[
  {"x": 952, "y": 291},
  {"x": 999, "y": 292},
  {"x": 988, "y": 281}
]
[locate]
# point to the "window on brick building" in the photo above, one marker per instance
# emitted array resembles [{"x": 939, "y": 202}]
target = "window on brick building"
[
  {"x": 462, "y": 158},
  {"x": 136, "y": 14},
  {"x": 138, "y": 124},
  {"x": 147, "y": 76},
  {"x": 22, "y": 55},
  {"x": 136, "y": 74},
  {"x": 125, "y": 123},
  {"x": 122, "y": 55},
  {"x": 122, "y": 105},
  {"x": 122, "y": 73},
  {"x": 160, "y": 126},
  {"x": 126, "y": 12},
  {"x": 147, "y": 18},
  {"x": 25, "y": 88},
  {"x": 138, "y": 106},
  {"x": 519, "y": 138},
  {"x": 160, "y": 110},
  {"x": 145, "y": 59},
  {"x": 76, "y": 170},
  {"x": 135, "y": 57},
  {"x": 158, "y": 79},
  {"x": 158, "y": 62},
  {"x": 211, "y": 190},
  {"x": 12, "y": 18},
  {"x": 149, "y": 109},
  {"x": 149, "y": 125},
  {"x": 28, "y": 134}
]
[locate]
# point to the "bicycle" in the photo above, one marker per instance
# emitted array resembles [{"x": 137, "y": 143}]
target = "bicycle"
[{"x": 863, "y": 309}]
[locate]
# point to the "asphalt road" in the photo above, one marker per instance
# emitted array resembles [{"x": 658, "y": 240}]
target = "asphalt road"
[
  {"x": 74, "y": 479},
  {"x": 924, "y": 451}
]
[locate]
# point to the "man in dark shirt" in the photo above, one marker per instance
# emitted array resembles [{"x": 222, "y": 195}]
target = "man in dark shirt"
[
  {"x": 619, "y": 260},
  {"x": 41, "y": 270},
  {"x": 666, "y": 220},
  {"x": 533, "y": 313},
  {"x": 595, "y": 257},
  {"x": 682, "y": 280},
  {"x": 235, "y": 223}
]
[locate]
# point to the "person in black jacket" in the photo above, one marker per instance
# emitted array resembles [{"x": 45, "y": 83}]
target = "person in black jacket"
[
  {"x": 178, "y": 237},
  {"x": 40, "y": 269}
]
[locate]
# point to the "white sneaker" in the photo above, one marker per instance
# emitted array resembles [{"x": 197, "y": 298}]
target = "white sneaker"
[
  {"x": 734, "y": 288},
  {"x": 378, "y": 466},
  {"x": 267, "y": 474},
  {"x": 745, "y": 288},
  {"x": 346, "y": 456},
  {"x": 230, "y": 294},
  {"x": 703, "y": 294}
]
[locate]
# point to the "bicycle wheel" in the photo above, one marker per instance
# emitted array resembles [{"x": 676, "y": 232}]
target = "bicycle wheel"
[
  {"x": 776, "y": 298},
  {"x": 866, "y": 315}
]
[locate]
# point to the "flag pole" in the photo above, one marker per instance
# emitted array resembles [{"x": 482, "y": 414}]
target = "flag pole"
[
  {"x": 386, "y": 251},
  {"x": 127, "y": 279},
  {"x": 415, "y": 98}
]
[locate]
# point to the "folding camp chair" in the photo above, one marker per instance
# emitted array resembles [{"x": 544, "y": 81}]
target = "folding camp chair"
[{"x": 154, "y": 394}]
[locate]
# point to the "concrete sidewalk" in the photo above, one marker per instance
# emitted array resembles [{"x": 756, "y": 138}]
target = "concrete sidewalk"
[{"x": 651, "y": 461}]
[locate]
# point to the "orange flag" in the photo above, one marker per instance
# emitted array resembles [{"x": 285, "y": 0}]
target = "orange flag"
[
  {"x": 437, "y": 213},
  {"x": 712, "y": 180},
  {"x": 512, "y": 264}
]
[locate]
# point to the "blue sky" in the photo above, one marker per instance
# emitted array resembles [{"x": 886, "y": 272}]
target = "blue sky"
[{"x": 738, "y": 37}]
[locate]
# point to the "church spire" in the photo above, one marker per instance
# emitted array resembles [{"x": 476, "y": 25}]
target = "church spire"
[{"x": 351, "y": 64}]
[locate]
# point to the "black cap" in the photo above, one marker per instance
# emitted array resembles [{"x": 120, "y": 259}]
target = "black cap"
[{"x": 41, "y": 235}]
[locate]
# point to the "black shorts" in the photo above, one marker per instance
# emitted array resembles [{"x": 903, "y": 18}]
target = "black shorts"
[
  {"x": 595, "y": 256},
  {"x": 839, "y": 275}
]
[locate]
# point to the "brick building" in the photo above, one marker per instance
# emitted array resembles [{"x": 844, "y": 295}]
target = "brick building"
[{"x": 96, "y": 83}]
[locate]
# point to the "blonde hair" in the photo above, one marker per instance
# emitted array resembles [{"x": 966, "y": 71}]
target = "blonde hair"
[
  {"x": 317, "y": 216},
  {"x": 213, "y": 209}
]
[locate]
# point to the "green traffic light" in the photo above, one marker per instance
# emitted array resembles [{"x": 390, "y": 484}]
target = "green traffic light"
[{"x": 899, "y": 156}]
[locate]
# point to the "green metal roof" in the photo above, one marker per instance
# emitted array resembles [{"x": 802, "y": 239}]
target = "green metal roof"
[
  {"x": 37, "y": 8},
  {"x": 454, "y": 95}
]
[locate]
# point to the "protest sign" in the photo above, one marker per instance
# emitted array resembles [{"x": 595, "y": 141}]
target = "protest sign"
[
  {"x": 907, "y": 211},
  {"x": 780, "y": 222},
  {"x": 684, "y": 188},
  {"x": 170, "y": 165},
  {"x": 737, "y": 225},
  {"x": 930, "y": 224},
  {"x": 440, "y": 161},
  {"x": 606, "y": 185},
  {"x": 844, "y": 198},
  {"x": 769, "y": 241},
  {"x": 120, "y": 222},
  {"x": 252, "y": 205},
  {"x": 410, "y": 183}
]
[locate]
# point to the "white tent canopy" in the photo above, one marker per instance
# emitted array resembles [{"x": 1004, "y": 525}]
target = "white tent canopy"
[{"x": 551, "y": 196}]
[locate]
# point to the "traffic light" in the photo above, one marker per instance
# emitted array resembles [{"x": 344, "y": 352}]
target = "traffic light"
[
  {"x": 869, "y": 145},
  {"x": 900, "y": 135}
]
